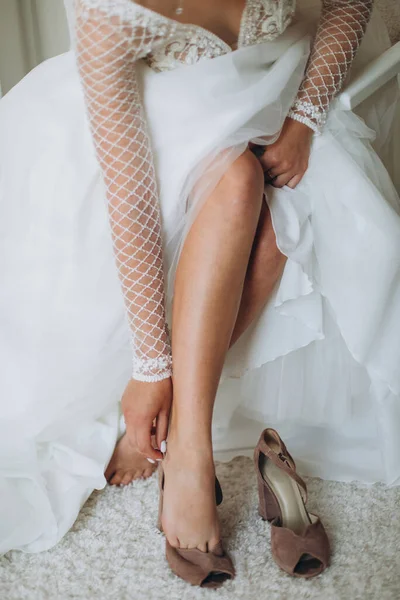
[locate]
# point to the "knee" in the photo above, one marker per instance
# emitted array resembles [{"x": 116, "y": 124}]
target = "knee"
[{"x": 244, "y": 183}]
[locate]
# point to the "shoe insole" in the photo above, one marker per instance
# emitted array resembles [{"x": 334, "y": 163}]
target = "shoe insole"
[{"x": 286, "y": 490}]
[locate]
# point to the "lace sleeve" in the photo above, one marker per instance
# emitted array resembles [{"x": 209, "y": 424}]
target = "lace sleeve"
[
  {"x": 339, "y": 34},
  {"x": 107, "y": 46}
]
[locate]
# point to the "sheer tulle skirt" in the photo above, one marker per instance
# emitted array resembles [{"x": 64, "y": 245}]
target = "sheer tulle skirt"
[{"x": 321, "y": 361}]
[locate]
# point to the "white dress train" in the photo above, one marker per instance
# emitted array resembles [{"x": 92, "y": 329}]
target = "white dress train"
[{"x": 321, "y": 361}]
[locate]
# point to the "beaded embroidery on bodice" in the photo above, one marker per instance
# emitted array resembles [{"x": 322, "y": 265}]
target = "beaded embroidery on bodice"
[
  {"x": 262, "y": 20},
  {"x": 185, "y": 44}
]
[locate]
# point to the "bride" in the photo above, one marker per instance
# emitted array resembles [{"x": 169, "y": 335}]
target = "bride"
[{"x": 192, "y": 155}]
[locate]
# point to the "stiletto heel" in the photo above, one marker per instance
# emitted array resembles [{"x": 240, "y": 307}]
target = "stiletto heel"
[
  {"x": 205, "y": 569},
  {"x": 299, "y": 543}
]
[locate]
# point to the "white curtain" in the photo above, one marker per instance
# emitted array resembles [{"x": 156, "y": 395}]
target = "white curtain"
[{"x": 30, "y": 32}]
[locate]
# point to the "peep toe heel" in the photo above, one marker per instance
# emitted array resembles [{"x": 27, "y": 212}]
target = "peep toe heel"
[
  {"x": 204, "y": 569},
  {"x": 299, "y": 543}
]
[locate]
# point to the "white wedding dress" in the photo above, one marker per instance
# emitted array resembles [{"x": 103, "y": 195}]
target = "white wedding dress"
[{"x": 169, "y": 107}]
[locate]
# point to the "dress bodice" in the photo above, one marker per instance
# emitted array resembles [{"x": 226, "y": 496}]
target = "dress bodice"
[
  {"x": 186, "y": 44},
  {"x": 176, "y": 44}
]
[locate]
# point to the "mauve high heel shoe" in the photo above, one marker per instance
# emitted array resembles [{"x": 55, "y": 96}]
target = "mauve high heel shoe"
[
  {"x": 299, "y": 543},
  {"x": 205, "y": 569}
]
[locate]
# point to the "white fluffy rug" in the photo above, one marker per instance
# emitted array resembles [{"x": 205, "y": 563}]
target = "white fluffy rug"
[{"x": 115, "y": 552}]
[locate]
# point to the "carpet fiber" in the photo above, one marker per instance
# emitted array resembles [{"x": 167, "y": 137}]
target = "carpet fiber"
[{"x": 115, "y": 552}]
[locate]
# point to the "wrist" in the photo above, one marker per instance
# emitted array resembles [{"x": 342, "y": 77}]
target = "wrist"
[
  {"x": 300, "y": 127},
  {"x": 152, "y": 370}
]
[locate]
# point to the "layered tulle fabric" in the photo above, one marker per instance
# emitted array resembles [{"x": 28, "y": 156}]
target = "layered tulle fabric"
[{"x": 321, "y": 360}]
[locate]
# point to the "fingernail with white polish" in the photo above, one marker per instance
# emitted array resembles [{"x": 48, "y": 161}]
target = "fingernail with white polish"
[
  {"x": 163, "y": 447},
  {"x": 153, "y": 462}
]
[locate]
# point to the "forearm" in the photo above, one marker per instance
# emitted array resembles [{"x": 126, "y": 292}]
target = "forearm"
[
  {"x": 339, "y": 34},
  {"x": 107, "y": 51},
  {"x": 139, "y": 259}
]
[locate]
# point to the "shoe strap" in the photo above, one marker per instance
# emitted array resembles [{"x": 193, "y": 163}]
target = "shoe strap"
[{"x": 282, "y": 459}]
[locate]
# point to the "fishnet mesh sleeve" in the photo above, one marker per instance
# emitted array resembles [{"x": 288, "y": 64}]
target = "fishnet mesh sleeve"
[
  {"x": 338, "y": 37},
  {"x": 107, "y": 48}
]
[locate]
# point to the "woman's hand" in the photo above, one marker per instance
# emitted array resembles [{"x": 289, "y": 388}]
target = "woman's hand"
[
  {"x": 286, "y": 160},
  {"x": 142, "y": 404}
]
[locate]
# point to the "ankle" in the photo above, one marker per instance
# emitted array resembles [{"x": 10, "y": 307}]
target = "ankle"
[
  {"x": 189, "y": 431},
  {"x": 191, "y": 446},
  {"x": 189, "y": 452}
]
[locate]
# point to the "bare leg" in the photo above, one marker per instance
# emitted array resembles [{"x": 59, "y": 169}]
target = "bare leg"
[
  {"x": 207, "y": 302},
  {"x": 264, "y": 271}
]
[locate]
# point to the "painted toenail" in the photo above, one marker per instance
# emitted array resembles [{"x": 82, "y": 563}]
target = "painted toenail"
[
  {"x": 153, "y": 462},
  {"x": 163, "y": 446}
]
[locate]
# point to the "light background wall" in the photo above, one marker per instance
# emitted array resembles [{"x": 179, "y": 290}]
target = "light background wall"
[{"x": 30, "y": 32}]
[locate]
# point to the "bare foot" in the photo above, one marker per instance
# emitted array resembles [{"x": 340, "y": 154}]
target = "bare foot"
[
  {"x": 127, "y": 464},
  {"x": 189, "y": 517}
]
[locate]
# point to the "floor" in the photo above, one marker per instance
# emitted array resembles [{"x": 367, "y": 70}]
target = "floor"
[{"x": 115, "y": 552}]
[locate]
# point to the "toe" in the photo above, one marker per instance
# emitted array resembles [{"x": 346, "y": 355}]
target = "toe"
[
  {"x": 110, "y": 471},
  {"x": 147, "y": 473},
  {"x": 116, "y": 479},
  {"x": 109, "y": 475},
  {"x": 127, "y": 478},
  {"x": 203, "y": 547},
  {"x": 174, "y": 542}
]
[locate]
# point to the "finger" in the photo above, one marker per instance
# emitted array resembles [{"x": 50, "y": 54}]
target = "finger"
[
  {"x": 268, "y": 161},
  {"x": 273, "y": 172},
  {"x": 294, "y": 181},
  {"x": 268, "y": 180},
  {"x": 281, "y": 180},
  {"x": 144, "y": 445},
  {"x": 162, "y": 428},
  {"x": 154, "y": 434}
]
